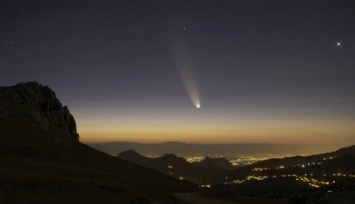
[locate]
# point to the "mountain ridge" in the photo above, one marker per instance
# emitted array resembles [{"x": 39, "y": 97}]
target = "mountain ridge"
[
  {"x": 170, "y": 164},
  {"x": 181, "y": 148}
]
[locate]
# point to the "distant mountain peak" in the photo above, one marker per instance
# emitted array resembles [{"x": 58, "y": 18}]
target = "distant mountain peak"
[
  {"x": 173, "y": 143},
  {"x": 130, "y": 151},
  {"x": 170, "y": 155},
  {"x": 133, "y": 156}
]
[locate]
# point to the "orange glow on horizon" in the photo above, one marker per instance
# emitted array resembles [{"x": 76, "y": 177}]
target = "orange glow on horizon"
[
  {"x": 206, "y": 126},
  {"x": 267, "y": 132}
]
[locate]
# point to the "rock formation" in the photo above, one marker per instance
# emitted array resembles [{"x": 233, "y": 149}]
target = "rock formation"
[{"x": 35, "y": 105}]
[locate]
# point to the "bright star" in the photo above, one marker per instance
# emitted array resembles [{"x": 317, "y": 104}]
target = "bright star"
[{"x": 338, "y": 43}]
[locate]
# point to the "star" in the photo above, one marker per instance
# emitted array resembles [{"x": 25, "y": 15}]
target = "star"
[{"x": 338, "y": 44}]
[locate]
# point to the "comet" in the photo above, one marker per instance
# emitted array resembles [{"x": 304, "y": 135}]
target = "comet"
[{"x": 185, "y": 67}]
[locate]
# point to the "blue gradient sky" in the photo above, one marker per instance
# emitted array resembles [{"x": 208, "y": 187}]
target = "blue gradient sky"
[{"x": 266, "y": 71}]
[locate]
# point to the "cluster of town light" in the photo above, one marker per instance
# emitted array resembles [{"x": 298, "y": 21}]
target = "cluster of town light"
[{"x": 305, "y": 178}]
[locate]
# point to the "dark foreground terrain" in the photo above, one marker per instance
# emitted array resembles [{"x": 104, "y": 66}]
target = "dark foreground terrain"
[{"x": 42, "y": 161}]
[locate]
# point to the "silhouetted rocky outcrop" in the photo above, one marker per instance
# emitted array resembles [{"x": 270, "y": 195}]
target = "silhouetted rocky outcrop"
[{"x": 31, "y": 104}]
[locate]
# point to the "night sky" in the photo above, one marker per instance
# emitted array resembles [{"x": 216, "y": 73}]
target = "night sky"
[{"x": 203, "y": 71}]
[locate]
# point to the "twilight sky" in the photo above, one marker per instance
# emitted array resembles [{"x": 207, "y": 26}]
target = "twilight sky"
[{"x": 137, "y": 70}]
